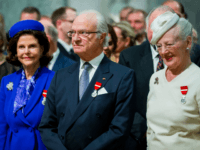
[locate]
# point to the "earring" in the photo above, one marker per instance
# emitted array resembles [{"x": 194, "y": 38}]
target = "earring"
[{"x": 187, "y": 48}]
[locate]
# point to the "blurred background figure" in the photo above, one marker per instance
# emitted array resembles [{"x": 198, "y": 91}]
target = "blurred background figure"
[
  {"x": 30, "y": 13},
  {"x": 22, "y": 94},
  {"x": 112, "y": 44},
  {"x": 124, "y": 13},
  {"x": 62, "y": 19},
  {"x": 137, "y": 21},
  {"x": 125, "y": 38},
  {"x": 177, "y": 7},
  {"x": 5, "y": 67},
  {"x": 195, "y": 35},
  {"x": 59, "y": 60},
  {"x": 47, "y": 18}
]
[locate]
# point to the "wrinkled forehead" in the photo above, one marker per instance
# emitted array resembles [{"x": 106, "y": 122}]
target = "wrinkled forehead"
[{"x": 85, "y": 22}]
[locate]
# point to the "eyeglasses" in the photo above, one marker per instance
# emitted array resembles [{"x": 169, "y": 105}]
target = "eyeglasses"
[
  {"x": 71, "y": 21},
  {"x": 80, "y": 33}
]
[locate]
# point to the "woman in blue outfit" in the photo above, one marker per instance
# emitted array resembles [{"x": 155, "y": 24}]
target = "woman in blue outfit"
[{"x": 22, "y": 94}]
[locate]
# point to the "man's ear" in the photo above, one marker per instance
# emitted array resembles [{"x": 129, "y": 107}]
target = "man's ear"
[
  {"x": 58, "y": 23},
  {"x": 103, "y": 36},
  {"x": 48, "y": 37}
]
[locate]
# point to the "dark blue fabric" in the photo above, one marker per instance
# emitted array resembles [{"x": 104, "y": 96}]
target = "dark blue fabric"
[{"x": 25, "y": 25}]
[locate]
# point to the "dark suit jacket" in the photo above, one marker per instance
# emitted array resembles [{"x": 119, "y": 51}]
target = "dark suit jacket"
[
  {"x": 62, "y": 62},
  {"x": 195, "y": 54},
  {"x": 95, "y": 123},
  {"x": 139, "y": 58},
  {"x": 72, "y": 56}
]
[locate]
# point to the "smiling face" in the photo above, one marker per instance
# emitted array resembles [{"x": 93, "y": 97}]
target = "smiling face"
[
  {"x": 90, "y": 46},
  {"x": 29, "y": 51},
  {"x": 173, "y": 49}
]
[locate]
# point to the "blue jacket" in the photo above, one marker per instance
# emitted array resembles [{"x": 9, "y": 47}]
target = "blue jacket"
[{"x": 19, "y": 131}]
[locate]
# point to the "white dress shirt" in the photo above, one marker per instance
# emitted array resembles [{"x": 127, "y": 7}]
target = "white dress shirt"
[
  {"x": 94, "y": 63},
  {"x": 155, "y": 58},
  {"x": 65, "y": 45},
  {"x": 55, "y": 56}
]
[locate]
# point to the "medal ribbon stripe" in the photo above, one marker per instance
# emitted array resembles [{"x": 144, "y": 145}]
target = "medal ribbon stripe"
[{"x": 184, "y": 90}]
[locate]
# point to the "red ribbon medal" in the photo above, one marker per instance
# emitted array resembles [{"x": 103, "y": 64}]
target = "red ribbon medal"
[
  {"x": 44, "y": 94},
  {"x": 184, "y": 90},
  {"x": 96, "y": 87}
]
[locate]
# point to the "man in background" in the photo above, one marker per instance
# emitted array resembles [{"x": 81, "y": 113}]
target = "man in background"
[
  {"x": 30, "y": 13},
  {"x": 124, "y": 12},
  {"x": 59, "y": 61},
  {"x": 137, "y": 21},
  {"x": 62, "y": 19}
]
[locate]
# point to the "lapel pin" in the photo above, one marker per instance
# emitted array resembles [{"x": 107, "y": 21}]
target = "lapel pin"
[
  {"x": 184, "y": 90},
  {"x": 96, "y": 87},
  {"x": 156, "y": 80},
  {"x": 103, "y": 78}
]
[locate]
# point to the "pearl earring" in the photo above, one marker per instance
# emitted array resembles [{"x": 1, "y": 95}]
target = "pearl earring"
[{"x": 187, "y": 48}]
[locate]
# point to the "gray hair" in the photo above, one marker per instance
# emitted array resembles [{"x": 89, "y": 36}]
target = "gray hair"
[
  {"x": 101, "y": 25},
  {"x": 184, "y": 29},
  {"x": 52, "y": 31}
]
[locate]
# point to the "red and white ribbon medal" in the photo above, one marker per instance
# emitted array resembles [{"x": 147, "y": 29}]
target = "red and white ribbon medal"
[
  {"x": 184, "y": 90},
  {"x": 96, "y": 87},
  {"x": 44, "y": 94}
]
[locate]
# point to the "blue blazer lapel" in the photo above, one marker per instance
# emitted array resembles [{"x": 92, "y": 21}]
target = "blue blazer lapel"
[
  {"x": 37, "y": 93},
  {"x": 74, "y": 83},
  {"x": 102, "y": 71},
  {"x": 16, "y": 79}
]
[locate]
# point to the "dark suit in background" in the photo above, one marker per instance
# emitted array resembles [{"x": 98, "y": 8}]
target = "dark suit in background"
[
  {"x": 62, "y": 62},
  {"x": 139, "y": 58},
  {"x": 195, "y": 54},
  {"x": 95, "y": 123},
  {"x": 72, "y": 56}
]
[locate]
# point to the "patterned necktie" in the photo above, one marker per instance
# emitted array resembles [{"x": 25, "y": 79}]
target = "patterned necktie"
[
  {"x": 160, "y": 63},
  {"x": 84, "y": 80}
]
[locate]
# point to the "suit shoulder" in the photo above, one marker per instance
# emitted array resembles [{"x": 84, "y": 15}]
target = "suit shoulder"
[
  {"x": 66, "y": 69},
  {"x": 119, "y": 69}
]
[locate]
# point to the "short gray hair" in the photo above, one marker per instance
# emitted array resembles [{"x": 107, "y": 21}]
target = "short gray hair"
[
  {"x": 52, "y": 31},
  {"x": 102, "y": 25}
]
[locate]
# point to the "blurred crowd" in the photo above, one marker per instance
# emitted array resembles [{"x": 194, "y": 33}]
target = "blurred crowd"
[{"x": 139, "y": 42}]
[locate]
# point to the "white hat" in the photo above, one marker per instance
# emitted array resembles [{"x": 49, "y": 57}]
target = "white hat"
[{"x": 162, "y": 24}]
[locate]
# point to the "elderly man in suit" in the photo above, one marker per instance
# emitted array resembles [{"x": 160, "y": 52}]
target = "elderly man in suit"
[
  {"x": 90, "y": 104},
  {"x": 59, "y": 60},
  {"x": 144, "y": 60}
]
